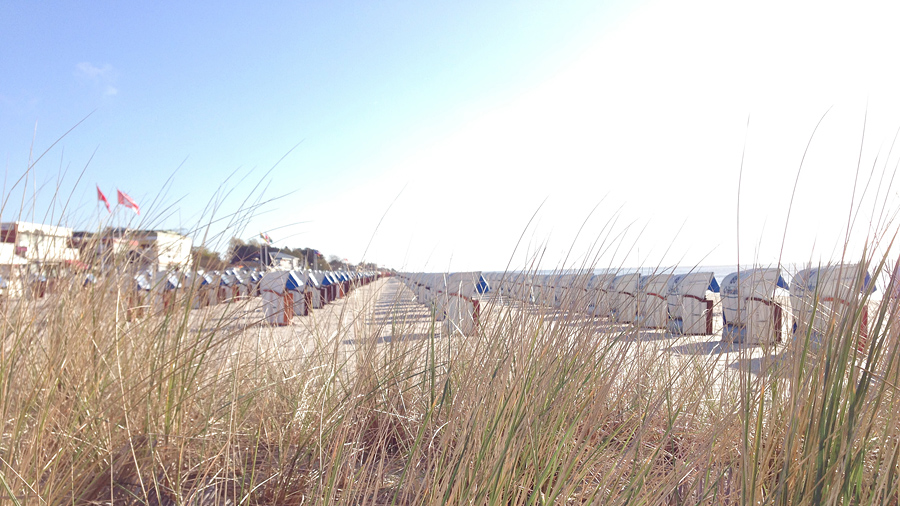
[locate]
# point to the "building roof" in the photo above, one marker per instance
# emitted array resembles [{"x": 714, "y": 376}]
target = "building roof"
[
  {"x": 26, "y": 227},
  {"x": 282, "y": 256},
  {"x": 125, "y": 230}
]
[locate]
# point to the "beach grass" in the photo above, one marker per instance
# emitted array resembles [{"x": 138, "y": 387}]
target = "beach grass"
[
  {"x": 543, "y": 406},
  {"x": 109, "y": 398}
]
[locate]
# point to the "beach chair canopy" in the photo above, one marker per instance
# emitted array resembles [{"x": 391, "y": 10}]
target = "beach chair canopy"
[
  {"x": 695, "y": 284},
  {"x": 483, "y": 286},
  {"x": 656, "y": 283},
  {"x": 759, "y": 282},
  {"x": 166, "y": 281},
  {"x": 600, "y": 281},
  {"x": 311, "y": 279},
  {"x": 276, "y": 282},
  {"x": 239, "y": 277},
  {"x": 625, "y": 282},
  {"x": 294, "y": 282},
  {"x": 565, "y": 281},
  {"x": 462, "y": 283},
  {"x": 142, "y": 282},
  {"x": 226, "y": 279},
  {"x": 845, "y": 274}
]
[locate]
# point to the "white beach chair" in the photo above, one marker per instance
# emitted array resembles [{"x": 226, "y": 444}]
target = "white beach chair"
[
  {"x": 751, "y": 310},
  {"x": 278, "y": 303},
  {"x": 462, "y": 307},
  {"x": 295, "y": 285},
  {"x": 598, "y": 295},
  {"x": 824, "y": 298},
  {"x": 653, "y": 307},
  {"x": 623, "y": 290},
  {"x": 689, "y": 305}
]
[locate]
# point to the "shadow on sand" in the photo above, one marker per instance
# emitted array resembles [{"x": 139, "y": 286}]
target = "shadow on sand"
[
  {"x": 392, "y": 339},
  {"x": 645, "y": 336},
  {"x": 773, "y": 364},
  {"x": 709, "y": 348}
]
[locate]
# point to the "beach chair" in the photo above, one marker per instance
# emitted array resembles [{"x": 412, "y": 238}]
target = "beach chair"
[
  {"x": 437, "y": 295},
  {"x": 194, "y": 284},
  {"x": 824, "y": 298},
  {"x": 525, "y": 288},
  {"x": 752, "y": 311},
  {"x": 139, "y": 295},
  {"x": 598, "y": 296},
  {"x": 623, "y": 292},
  {"x": 689, "y": 305},
  {"x": 163, "y": 287},
  {"x": 563, "y": 290},
  {"x": 574, "y": 295},
  {"x": 278, "y": 301},
  {"x": 311, "y": 293},
  {"x": 226, "y": 287},
  {"x": 653, "y": 307},
  {"x": 241, "y": 287},
  {"x": 320, "y": 282},
  {"x": 424, "y": 293},
  {"x": 463, "y": 309},
  {"x": 296, "y": 286},
  {"x": 495, "y": 285},
  {"x": 542, "y": 289}
]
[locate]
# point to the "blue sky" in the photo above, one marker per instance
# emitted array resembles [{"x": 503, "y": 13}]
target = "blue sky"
[{"x": 429, "y": 133}]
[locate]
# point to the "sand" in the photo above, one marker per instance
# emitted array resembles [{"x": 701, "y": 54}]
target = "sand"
[{"x": 384, "y": 312}]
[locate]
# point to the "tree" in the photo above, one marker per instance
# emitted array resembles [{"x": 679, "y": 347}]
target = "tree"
[
  {"x": 206, "y": 259},
  {"x": 240, "y": 252},
  {"x": 334, "y": 262},
  {"x": 248, "y": 253}
]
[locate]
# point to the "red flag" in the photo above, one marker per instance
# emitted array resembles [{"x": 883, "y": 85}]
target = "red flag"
[
  {"x": 126, "y": 201},
  {"x": 101, "y": 196}
]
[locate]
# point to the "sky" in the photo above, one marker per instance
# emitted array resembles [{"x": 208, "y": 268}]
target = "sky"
[{"x": 463, "y": 135}]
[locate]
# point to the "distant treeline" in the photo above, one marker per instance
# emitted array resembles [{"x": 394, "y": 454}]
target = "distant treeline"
[
  {"x": 249, "y": 253},
  {"x": 240, "y": 252}
]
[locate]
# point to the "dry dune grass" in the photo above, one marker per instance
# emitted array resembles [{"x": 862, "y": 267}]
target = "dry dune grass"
[{"x": 368, "y": 402}]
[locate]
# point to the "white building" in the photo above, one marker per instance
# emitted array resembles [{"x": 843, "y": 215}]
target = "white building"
[
  {"x": 154, "y": 250},
  {"x": 161, "y": 250},
  {"x": 169, "y": 249},
  {"x": 43, "y": 245},
  {"x": 11, "y": 270},
  {"x": 283, "y": 262},
  {"x": 32, "y": 251}
]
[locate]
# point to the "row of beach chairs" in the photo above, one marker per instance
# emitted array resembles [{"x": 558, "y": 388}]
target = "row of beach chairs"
[
  {"x": 454, "y": 298},
  {"x": 757, "y": 305},
  {"x": 285, "y": 294}
]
